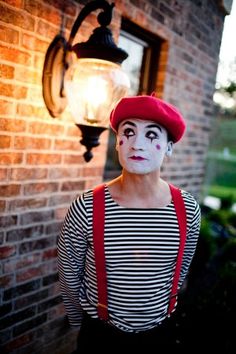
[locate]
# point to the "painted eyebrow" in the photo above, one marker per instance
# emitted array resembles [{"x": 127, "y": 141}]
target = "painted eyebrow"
[
  {"x": 154, "y": 126},
  {"x": 129, "y": 123},
  {"x": 148, "y": 126}
]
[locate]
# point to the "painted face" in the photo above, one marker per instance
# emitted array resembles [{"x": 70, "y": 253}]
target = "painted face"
[{"x": 141, "y": 145}]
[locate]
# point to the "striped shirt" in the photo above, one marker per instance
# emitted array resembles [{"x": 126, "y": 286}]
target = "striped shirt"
[{"x": 141, "y": 248}]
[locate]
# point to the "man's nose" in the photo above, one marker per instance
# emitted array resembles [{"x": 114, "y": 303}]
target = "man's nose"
[{"x": 138, "y": 142}]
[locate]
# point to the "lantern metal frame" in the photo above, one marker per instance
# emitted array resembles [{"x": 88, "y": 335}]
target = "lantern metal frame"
[{"x": 100, "y": 45}]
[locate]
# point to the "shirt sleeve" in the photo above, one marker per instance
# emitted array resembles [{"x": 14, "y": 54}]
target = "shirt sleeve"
[
  {"x": 191, "y": 242},
  {"x": 72, "y": 245}
]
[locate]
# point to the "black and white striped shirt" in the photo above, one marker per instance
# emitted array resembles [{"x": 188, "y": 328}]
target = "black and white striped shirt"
[{"x": 141, "y": 247}]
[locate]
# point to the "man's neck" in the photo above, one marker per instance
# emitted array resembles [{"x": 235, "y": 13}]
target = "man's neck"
[{"x": 141, "y": 191}]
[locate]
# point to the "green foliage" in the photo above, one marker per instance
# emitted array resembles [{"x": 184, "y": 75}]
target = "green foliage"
[
  {"x": 223, "y": 135},
  {"x": 207, "y": 239},
  {"x": 222, "y": 192},
  {"x": 220, "y": 176},
  {"x": 207, "y": 306},
  {"x": 227, "y": 202},
  {"x": 230, "y": 89}
]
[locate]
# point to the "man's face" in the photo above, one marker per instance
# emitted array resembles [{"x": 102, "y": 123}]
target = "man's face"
[{"x": 141, "y": 145}]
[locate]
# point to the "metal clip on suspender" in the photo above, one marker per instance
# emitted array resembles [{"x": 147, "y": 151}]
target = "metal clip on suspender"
[{"x": 98, "y": 239}]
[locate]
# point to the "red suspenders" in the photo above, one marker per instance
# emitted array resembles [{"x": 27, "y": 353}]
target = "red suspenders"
[
  {"x": 98, "y": 239},
  {"x": 98, "y": 242},
  {"x": 182, "y": 219}
]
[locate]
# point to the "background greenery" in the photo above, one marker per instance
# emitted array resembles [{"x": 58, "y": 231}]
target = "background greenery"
[
  {"x": 220, "y": 180},
  {"x": 207, "y": 306}
]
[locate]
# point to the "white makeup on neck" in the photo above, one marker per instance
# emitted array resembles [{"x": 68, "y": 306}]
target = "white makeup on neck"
[{"x": 141, "y": 145}]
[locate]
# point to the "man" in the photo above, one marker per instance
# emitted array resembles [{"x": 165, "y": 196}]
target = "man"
[{"x": 142, "y": 235}]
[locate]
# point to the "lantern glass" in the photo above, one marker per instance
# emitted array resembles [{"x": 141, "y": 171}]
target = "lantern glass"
[{"x": 92, "y": 88}]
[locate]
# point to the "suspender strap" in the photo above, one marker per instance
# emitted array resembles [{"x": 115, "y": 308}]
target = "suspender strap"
[
  {"x": 181, "y": 216},
  {"x": 98, "y": 240}
]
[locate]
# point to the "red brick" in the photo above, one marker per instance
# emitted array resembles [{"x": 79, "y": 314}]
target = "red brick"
[
  {"x": 23, "y": 142},
  {"x": 25, "y": 204},
  {"x": 27, "y": 75},
  {"x": 9, "y": 35},
  {"x": 60, "y": 199},
  {"x": 28, "y": 274},
  {"x": 23, "y": 262},
  {"x": 3, "y": 174},
  {"x": 18, "y": 342},
  {"x": 56, "y": 311},
  {"x": 92, "y": 171},
  {"x": 5, "y": 141},
  {"x": 6, "y": 108},
  {"x": 73, "y": 159},
  {"x": 38, "y": 188},
  {"x": 46, "y": 128},
  {"x": 33, "y": 43},
  {"x": 42, "y": 159},
  {"x": 16, "y": 91},
  {"x": 9, "y": 190},
  {"x": 7, "y": 251},
  {"x": 74, "y": 132},
  {"x": 36, "y": 217},
  {"x": 11, "y": 125},
  {"x": 29, "y": 110},
  {"x": 49, "y": 254},
  {"x": 45, "y": 12},
  {"x": 6, "y": 71},
  {"x": 69, "y": 8},
  {"x": 21, "y": 19},
  {"x": 54, "y": 289},
  {"x": 8, "y": 220},
  {"x": 39, "y": 60},
  {"x": 14, "y": 55},
  {"x": 65, "y": 172},
  {"x": 67, "y": 145},
  {"x": 25, "y": 174},
  {"x": 46, "y": 29},
  {"x": 2, "y": 205},
  {"x": 60, "y": 213},
  {"x": 15, "y": 3},
  {"x": 72, "y": 186},
  {"x": 6, "y": 281}
]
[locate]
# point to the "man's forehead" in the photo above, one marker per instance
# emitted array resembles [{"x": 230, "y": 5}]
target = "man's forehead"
[{"x": 141, "y": 122}]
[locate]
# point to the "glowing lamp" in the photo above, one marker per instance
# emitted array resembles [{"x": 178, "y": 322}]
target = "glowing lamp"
[{"x": 87, "y": 76}]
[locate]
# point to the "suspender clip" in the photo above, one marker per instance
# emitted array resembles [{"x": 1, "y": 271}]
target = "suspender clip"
[{"x": 101, "y": 305}]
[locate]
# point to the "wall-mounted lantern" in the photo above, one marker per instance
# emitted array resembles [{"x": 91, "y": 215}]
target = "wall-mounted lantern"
[{"x": 87, "y": 76}]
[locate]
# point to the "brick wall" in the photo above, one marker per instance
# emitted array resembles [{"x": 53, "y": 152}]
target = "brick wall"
[{"x": 41, "y": 163}]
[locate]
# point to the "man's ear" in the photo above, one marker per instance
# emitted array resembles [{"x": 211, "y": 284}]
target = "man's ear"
[{"x": 169, "y": 148}]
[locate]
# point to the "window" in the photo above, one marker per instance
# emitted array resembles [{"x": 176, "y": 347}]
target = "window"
[{"x": 142, "y": 67}]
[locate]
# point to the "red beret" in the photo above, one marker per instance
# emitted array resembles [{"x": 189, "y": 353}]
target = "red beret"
[{"x": 149, "y": 108}]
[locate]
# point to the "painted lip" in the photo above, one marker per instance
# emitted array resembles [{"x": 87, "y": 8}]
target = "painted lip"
[{"x": 137, "y": 158}]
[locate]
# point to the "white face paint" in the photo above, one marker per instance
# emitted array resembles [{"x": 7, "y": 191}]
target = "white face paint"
[{"x": 141, "y": 145}]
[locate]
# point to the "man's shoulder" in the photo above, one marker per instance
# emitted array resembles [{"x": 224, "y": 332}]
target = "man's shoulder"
[{"x": 189, "y": 198}]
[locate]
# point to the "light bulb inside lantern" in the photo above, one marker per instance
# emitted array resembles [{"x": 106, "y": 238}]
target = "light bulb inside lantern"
[{"x": 95, "y": 94}]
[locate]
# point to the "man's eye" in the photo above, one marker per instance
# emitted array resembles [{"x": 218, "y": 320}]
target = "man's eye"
[
  {"x": 151, "y": 135},
  {"x": 128, "y": 132}
]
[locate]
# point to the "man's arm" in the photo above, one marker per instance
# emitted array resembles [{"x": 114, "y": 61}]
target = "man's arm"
[{"x": 71, "y": 258}]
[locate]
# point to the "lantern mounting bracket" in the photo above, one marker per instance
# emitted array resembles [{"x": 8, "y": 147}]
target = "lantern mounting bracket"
[{"x": 53, "y": 77}]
